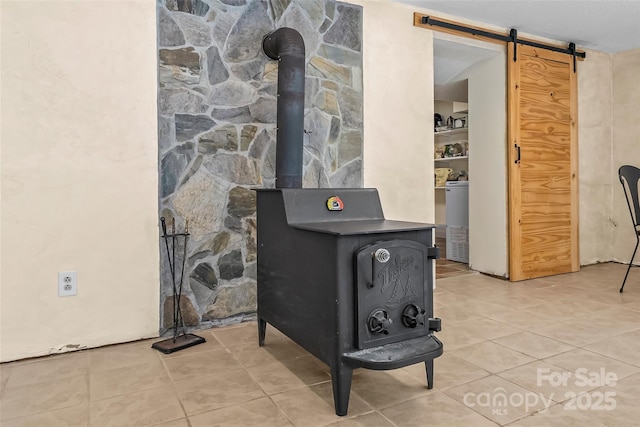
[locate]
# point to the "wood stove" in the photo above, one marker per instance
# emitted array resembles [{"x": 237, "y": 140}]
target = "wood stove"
[{"x": 353, "y": 289}]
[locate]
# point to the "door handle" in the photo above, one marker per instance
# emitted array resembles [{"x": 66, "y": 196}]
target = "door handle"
[
  {"x": 517, "y": 147},
  {"x": 382, "y": 256}
]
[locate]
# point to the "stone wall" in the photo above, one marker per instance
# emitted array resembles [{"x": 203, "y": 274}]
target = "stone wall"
[{"x": 217, "y": 114}]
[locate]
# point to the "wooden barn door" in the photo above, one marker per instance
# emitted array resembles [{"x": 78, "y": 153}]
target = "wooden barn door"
[{"x": 543, "y": 164}]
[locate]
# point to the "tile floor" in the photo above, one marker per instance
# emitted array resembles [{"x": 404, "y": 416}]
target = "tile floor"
[
  {"x": 559, "y": 351},
  {"x": 446, "y": 268}
]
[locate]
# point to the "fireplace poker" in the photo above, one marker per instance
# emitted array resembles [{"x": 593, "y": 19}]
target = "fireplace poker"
[
  {"x": 173, "y": 276},
  {"x": 171, "y": 260},
  {"x": 184, "y": 257}
]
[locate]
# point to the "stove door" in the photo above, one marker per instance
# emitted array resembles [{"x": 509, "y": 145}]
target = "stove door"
[{"x": 393, "y": 294}]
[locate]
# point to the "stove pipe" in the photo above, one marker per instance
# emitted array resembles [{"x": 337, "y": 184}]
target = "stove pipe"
[{"x": 286, "y": 45}]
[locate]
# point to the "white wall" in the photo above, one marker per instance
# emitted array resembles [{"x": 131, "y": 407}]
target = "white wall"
[
  {"x": 79, "y": 174},
  {"x": 594, "y": 157},
  {"x": 398, "y": 111},
  {"x": 626, "y": 145}
]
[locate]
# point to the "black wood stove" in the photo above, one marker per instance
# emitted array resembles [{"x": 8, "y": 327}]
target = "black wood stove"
[{"x": 352, "y": 288}]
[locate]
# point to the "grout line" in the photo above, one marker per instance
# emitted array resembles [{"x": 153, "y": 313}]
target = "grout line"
[{"x": 280, "y": 410}]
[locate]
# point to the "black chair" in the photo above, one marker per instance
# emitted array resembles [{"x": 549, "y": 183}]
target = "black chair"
[{"x": 631, "y": 175}]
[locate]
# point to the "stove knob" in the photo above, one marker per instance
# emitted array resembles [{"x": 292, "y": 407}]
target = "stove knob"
[
  {"x": 382, "y": 255},
  {"x": 379, "y": 322},
  {"x": 412, "y": 316}
]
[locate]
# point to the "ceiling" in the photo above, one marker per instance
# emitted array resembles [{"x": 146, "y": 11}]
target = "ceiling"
[
  {"x": 451, "y": 58},
  {"x": 603, "y": 25}
]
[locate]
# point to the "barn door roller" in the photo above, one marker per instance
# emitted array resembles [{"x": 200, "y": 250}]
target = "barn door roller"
[{"x": 514, "y": 39}]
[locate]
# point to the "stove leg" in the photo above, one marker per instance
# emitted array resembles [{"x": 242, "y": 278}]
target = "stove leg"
[
  {"x": 341, "y": 381},
  {"x": 262, "y": 330},
  {"x": 429, "y": 366}
]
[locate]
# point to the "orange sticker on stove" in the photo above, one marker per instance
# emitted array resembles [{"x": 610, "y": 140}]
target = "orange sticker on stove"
[{"x": 335, "y": 204}]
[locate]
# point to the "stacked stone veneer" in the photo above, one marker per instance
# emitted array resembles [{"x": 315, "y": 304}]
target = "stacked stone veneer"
[{"x": 217, "y": 114}]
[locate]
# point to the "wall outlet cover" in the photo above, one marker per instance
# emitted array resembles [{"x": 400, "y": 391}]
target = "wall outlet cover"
[{"x": 67, "y": 283}]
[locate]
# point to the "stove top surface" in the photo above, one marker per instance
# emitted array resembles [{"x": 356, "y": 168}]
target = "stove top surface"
[{"x": 354, "y": 227}]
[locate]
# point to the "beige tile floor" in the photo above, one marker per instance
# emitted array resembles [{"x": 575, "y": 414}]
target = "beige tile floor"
[
  {"x": 507, "y": 347},
  {"x": 446, "y": 268}
]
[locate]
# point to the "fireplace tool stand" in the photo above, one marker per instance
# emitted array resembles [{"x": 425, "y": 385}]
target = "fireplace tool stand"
[{"x": 180, "y": 339}]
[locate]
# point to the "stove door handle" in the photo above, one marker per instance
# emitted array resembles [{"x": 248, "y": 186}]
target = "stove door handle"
[{"x": 381, "y": 255}]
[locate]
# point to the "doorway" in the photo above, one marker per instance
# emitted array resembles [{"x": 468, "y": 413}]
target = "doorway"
[{"x": 470, "y": 93}]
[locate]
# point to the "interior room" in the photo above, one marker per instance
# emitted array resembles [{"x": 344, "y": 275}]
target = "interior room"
[
  {"x": 145, "y": 281},
  {"x": 470, "y": 88}
]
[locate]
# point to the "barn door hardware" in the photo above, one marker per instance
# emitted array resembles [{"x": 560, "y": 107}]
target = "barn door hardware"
[
  {"x": 572, "y": 48},
  {"x": 457, "y": 27},
  {"x": 512, "y": 37},
  {"x": 513, "y": 34}
]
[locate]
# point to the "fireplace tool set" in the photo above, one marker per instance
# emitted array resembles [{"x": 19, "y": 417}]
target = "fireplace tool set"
[{"x": 180, "y": 339}]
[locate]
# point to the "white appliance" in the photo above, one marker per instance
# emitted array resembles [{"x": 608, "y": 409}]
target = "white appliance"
[{"x": 457, "y": 215}]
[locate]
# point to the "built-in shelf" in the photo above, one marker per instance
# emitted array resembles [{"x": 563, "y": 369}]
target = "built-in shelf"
[
  {"x": 446, "y": 159},
  {"x": 452, "y": 131},
  {"x": 460, "y": 107},
  {"x": 440, "y": 188}
]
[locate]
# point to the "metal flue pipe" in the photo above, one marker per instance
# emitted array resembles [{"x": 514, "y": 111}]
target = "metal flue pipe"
[{"x": 287, "y": 46}]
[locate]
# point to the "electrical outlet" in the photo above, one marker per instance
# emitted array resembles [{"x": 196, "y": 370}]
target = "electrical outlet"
[{"x": 67, "y": 283}]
